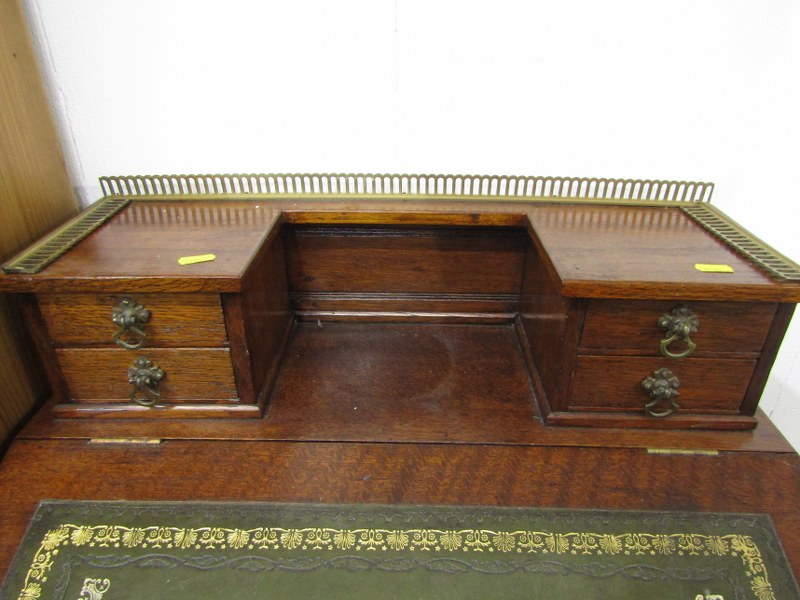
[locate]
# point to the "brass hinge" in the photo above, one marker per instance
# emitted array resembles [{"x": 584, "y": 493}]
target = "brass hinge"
[{"x": 683, "y": 452}]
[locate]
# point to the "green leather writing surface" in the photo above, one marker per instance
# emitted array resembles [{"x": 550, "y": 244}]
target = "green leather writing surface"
[{"x": 115, "y": 550}]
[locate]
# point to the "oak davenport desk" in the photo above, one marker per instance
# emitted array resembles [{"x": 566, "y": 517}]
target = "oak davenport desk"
[{"x": 434, "y": 339}]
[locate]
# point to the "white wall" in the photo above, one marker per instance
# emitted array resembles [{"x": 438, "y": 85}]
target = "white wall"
[{"x": 689, "y": 89}]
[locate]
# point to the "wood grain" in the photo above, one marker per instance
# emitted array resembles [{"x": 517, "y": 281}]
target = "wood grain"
[
  {"x": 725, "y": 327},
  {"x": 383, "y": 266},
  {"x": 262, "y": 322},
  {"x": 359, "y": 377},
  {"x": 783, "y": 316},
  {"x": 139, "y": 248},
  {"x": 450, "y": 306},
  {"x": 646, "y": 254},
  {"x": 192, "y": 374},
  {"x": 614, "y": 383},
  {"x": 597, "y": 251},
  {"x": 34, "y": 185},
  {"x": 679, "y": 421},
  {"x": 550, "y": 326},
  {"x": 36, "y": 195},
  {"x": 188, "y": 320},
  {"x": 404, "y": 260},
  {"x": 549, "y": 476}
]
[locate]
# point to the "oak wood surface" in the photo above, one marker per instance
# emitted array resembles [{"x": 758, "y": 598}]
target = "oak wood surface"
[
  {"x": 404, "y": 260},
  {"x": 402, "y": 382},
  {"x": 680, "y": 421},
  {"x": 266, "y": 319},
  {"x": 176, "y": 424},
  {"x": 549, "y": 329},
  {"x": 35, "y": 195},
  {"x": 445, "y": 306},
  {"x": 614, "y": 383},
  {"x": 352, "y": 266},
  {"x": 644, "y": 253},
  {"x": 724, "y": 327},
  {"x": 192, "y": 374},
  {"x": 549, "y": 476},
  {"x": 187, "y": 320},
  {"x": 597, "y": 251},
  {"x": 139, "y": 248},
  {"x": 398, "y": 376},
  {"x": 780, "y": 324},
  {"x": 34, "y": 184}
]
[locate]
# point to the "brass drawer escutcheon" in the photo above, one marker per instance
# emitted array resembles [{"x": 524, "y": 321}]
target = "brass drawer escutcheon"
[
  {"x": 131, "y": 319},
  {"x": 145, "y": 377},
  {"x": 662, "y": 389},
  {"x": 680, "y": 325}
]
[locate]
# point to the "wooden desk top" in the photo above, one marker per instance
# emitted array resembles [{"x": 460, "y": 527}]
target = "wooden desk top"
[
  {"x": 595, "y": 251},
  {"x": 450, "y": 474},
  {"x": 644, "y": 252},
  {"x": 469, "y": 458}
]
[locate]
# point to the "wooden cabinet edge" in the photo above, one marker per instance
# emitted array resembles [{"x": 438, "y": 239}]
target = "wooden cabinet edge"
[
  {"x": 780, "y": 323},
  {"x": 172, "y": 411},
  {"x": 685, "y": 421}
]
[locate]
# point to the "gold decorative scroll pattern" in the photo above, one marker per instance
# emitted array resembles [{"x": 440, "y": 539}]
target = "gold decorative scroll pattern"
[{"x": 394, "y": 540}]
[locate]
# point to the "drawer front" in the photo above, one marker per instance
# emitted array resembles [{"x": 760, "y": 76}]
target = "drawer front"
[
  {"x": 191, "y": 375},
  {"x": 612, "y": 383},
  {"x": 723, "y": 327},
  {"x": 185, "y": 320}
]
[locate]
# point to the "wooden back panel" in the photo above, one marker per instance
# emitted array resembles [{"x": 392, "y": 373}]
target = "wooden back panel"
[{"x": 372, "y": 270}]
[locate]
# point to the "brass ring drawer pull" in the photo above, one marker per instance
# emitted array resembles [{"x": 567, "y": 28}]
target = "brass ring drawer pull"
[
  {"x": 662, "y": 389},
  {"x": 145, "y": 377},
  {"x": 679, "y": 326},
  {"x": 131, "y": 319}
]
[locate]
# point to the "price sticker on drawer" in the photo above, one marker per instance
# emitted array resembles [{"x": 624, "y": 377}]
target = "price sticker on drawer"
[
  {"x": 198, "y": 258},
  {"x": 704, "y": 268}
]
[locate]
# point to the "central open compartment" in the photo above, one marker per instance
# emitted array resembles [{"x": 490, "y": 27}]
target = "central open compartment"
[
  {"x": 403, "y": 327},
  {"x": 467, "y": 274}
]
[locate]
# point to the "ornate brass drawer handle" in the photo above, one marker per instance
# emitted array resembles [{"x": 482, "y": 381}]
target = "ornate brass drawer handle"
[
  {"x": 131, "y": 319},
  {"x": 145, "y": 377},
  {"x": 662, "y": 389},
  {"x": 679, "y": 325}
]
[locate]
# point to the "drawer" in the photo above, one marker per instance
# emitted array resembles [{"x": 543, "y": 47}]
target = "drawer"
[
  {"x": 192, "y": 374},
  {"x": 723, "y": 327},
  {"x": 613, "y": 383},
  {"x": 183, "y": 320}
]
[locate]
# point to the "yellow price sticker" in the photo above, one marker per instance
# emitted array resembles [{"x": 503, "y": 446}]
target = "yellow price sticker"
[
  {"x": 198, "y": 258},
  {"x": 713, "y": 268}
]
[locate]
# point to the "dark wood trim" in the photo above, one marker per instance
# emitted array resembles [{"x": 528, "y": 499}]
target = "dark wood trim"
[
  {"x": 783, "y": 316},
  {"x": 240, "y": 356},
  {"x": 551, "y": 326},
  {"x": 44, "y": 346},
  {"x": 171, "y": 411},
  {"x": 480, "y": 215},
  {"x": 266, "y": 314},
  {"x": 433, "y": 304},
  {"x": 682, "y": 421},
  {"x": 406, "y": 317},
  {"x": 275, "y": 367},
  {"x": 534, "y": 432},
  {"x": 542, "y": 403}
]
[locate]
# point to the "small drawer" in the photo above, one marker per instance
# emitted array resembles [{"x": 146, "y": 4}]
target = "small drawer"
[
  {"x": 182, "y": 320},
  {"x": 633, "y": 326},
  {"x": 191, "y": 375},
  {"x": 614, "y": 383}
]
